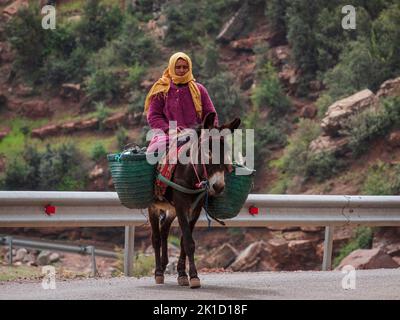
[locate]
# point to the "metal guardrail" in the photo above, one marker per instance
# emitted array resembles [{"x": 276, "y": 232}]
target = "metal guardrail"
[
  {"x": 43, "y": 245},
  {"x": 92, "y": 209}
]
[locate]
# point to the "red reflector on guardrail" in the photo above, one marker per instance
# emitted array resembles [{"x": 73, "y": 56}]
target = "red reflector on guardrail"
[
  {"x": 253, "y": 210},
  {"x": 50, "y": 210}
]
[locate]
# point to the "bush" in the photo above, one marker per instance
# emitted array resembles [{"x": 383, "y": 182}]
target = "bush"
[
  {"x": 29, "y": 39},
  {"x": 133, "y": 45},
  {"x": 366, "y": 126},
  {"x": 102, "y": 112},
  {"x": 98, "y": 25},
  {"x": 225, "y": 96},
  {"x": 136, "y": 73},
  {"x": 270, "y": 94},
  {"x": 382, "y": 179},
  {"x": 102, "y": 85},
  {"x": 98, "y": 152},
  {"x": 322, "y": 166},
  {"x": 294, "y": 162},
  {"x": 136, "y": 101},
  {"x": 54, "y": 169}
]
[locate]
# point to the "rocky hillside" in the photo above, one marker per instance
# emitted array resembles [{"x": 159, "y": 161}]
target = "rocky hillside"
[{"x": 326, "y": 122}]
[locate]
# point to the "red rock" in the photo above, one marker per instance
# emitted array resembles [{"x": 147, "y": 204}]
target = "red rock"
[
  {"x": 222, "y": 257},
  {"x": 115, "y": 121},
  {"x": 87, "y": 124},
  {"x": 13, "y": 8},
  {"x": 249, "y": 257},
  {"x": 394, "y": 139},
  {"x": 35, "y": 109},
  {"x": 368, "y": 259},
  {"x": 71, "y": 91},
  {"x": 389, "y": 88},
  {"x": 308, "y": 111},
  {"x": 50, "y": 130}
]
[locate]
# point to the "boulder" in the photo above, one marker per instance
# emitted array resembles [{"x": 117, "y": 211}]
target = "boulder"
[
  {"x": 368, "y": 259},
  {"x": 249, "y": 257},
  {"x": 279, "y": 55},
  {"x": 115, "y": 121},
  {"x": 71, "y": 91},
  {"x": 97, "y": 172},
  {"x": 68, "y": 127},
  {"x": 43, "y": 258},
  {"x": 278, "y": 248},
  {"x": 87, "y": 124},
  {"x": 222, "y": 257},
  {"x": 309, "y": 111},
  {"x": 35, "y": 109},
  {"x": 389, "y": 88},
  {"x": 49, "y": 130},
  {"x": 54, "y": 257},
  {"x": 13, "y": 8},
  {"x": 324, "y": 143},
  {"x": 341, "y": 110},
  {"x": 234, "y": 26},
  {"x": 20, "y": 255},
  {"x": 394, "y": 139}
]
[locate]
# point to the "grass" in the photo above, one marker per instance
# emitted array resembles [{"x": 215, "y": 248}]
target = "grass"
[{"x": 13, "y": 273}]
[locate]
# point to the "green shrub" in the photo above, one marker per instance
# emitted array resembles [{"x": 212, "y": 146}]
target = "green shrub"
[
  {"x": 136, "y": 101},
  {"x": 102, "y": 112},
  {"x": 98, "y": 152},
  {"x": 323, "y": 102},
  {"x": 133, "y": 45},
  {"x": 382, "y": 179},
  {"x": 362, "y": 240},
  {"x": 136, "y": 73},
  {"x": 99, "y": 24},
  {"x": 322, "y": 166},
  {"x": 294, "y": 161},
  {"x": 225, "y": 96},
  {"x": 366, "y": 126},
  {"x": 102, "y": 85},
  {"x": 269, "y": 94},
  {"x": 29, "y": 39}
]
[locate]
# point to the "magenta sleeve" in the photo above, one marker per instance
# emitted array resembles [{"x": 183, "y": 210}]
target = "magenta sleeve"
[
  {"x": 207, "y": 104},
  {"x": 155, "y": 117}
]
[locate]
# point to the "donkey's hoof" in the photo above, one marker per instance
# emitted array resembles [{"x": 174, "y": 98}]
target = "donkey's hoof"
[
  {"x": 194, "y": 283},
  {"x": 183, "y": 281},
  {"x": 159, "y": 279}
]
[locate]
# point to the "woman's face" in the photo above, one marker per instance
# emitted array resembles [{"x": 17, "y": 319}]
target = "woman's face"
[{"x": 181, "y": 67}]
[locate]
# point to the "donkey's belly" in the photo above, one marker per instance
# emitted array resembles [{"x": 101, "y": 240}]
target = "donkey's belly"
[{"x": 165, "y": 206}]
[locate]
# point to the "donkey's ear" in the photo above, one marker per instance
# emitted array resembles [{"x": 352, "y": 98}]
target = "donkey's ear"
[
  {"x": 208, "y": 122},
  {"x": 234, "y": 124}
]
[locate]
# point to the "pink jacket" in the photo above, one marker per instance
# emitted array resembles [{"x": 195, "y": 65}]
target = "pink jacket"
[{"x": 178, "y": 106}]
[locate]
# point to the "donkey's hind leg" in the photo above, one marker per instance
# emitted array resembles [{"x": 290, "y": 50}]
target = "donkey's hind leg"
[
  {"x": 156, "y": 241},
  {"x": 165, "y": 227}
]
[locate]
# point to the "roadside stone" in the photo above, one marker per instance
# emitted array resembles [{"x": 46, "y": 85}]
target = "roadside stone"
[
  {"x": 54, "y": 257},
  {"x": 248, "y": 258},
  {"x": 43, "y": 258},
  {"x": 368, "y": 259},
  {"x": 20, "y": 255}
]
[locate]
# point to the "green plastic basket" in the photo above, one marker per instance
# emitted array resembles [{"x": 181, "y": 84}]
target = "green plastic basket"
[
  {"x": 237, "y": 188},
  {"x": 133, "y": 179}
]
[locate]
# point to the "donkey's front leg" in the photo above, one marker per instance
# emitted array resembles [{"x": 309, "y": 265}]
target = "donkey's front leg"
[
  {"x": 156, "y": 241},
  {"x": 189, "y": 246}
]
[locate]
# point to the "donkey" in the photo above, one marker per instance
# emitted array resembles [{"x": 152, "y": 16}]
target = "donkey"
[{"x": 179, "y": 204}]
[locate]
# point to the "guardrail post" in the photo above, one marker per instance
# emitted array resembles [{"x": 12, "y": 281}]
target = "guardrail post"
[
  {"x": 129, "y": 250},
  {"x": 10, "y": 249},
  {"x": 92, "y": 249},
  {"x": 328, "y": 246}
]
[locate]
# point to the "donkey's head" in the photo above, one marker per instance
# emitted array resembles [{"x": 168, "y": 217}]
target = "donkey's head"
[{"x": 215, "y": 155}]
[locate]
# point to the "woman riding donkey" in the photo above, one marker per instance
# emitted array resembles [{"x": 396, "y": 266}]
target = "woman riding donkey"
[{"x": 177, "y": 97}]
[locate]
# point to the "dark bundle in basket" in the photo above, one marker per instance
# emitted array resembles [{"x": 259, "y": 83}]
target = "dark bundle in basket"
[{"x": 133, "y": 177}]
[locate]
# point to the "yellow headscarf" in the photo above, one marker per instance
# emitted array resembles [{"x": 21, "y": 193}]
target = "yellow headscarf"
[{"x": 163, "y": 84}]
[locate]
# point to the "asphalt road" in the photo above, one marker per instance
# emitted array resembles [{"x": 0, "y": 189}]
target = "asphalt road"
[{"x": 369, "y": 284}]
